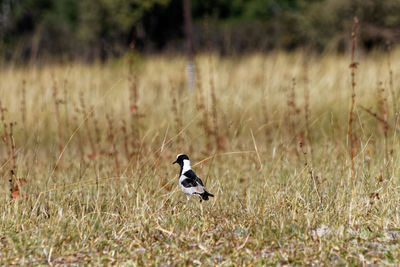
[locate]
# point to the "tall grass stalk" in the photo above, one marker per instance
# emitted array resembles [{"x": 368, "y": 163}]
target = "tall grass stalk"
[{"x": 353, "y": 67}]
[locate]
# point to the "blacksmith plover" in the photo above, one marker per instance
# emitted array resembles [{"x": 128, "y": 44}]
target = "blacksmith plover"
[{"x": 188, "y": 180}]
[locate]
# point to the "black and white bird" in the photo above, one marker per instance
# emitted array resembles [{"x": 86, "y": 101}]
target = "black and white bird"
[{"x": 188, "y": 180}]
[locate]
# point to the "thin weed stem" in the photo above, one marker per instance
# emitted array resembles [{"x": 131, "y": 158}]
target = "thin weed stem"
[
  {"x": 353, "y": 67},
  {"x": 111, "y": 139}
]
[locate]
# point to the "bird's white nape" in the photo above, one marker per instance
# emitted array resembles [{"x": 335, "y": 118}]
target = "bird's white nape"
[{"x": 186, "y": 166}]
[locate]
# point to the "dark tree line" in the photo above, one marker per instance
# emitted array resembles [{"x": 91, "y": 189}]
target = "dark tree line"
[{"x": 91, "y": 29}]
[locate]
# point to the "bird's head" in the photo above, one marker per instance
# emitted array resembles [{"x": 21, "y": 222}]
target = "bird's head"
[{"x": 180, "y": 158}]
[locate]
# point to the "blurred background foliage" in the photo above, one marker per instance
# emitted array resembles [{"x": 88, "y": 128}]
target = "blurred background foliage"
[{"x": 100, "y": 29}]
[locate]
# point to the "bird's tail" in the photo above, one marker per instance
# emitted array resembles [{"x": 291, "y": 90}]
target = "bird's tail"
[{"x": 205, "y": 195}]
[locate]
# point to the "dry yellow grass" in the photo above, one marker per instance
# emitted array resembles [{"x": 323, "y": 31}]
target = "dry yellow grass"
[{"x": 275, "y": 201}]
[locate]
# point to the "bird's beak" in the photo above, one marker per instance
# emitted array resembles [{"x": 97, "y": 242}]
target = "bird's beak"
[{"x": 174, "y": 162}]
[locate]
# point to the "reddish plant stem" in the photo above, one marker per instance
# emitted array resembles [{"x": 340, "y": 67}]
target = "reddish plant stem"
[
  {"x": 382, "y": 110},
  {"x": 307, "y": 109},
  {"x": 293, "y": 112},
  {"x": 13, "y": 171},
  {"x": 201, "y": 107},
  {"x": 353, "y": 66},
  {"x": 133, "y": 101},
  {"x": 96, "y": 127},
  {"x": 57, "y": 103},
  {"x": 214, "y": 102},
  {"x": 126, "y": 139},
  {"x": 65, "y": 101},
  {"x": 81, "y": 144},
  {"x": 177, "y": 117},
  {"x": 111, "y": 138},
  {"x": 13, "y": 155},
  {"x": 84, "y": 116},
  {"x": 5, "y": 131},
  {"x": 23, "y": 102},
  {"x": 391, "y": 87}
]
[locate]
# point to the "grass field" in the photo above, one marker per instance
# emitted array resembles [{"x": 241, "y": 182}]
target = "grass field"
[{"x": 87, "y": 175}]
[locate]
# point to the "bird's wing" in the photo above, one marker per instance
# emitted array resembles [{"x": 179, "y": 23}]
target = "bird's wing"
[
  {"x": 188, "y": 182},
  {"x": 190, "y": 174}
]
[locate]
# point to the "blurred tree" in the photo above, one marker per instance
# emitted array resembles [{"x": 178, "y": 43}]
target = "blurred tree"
[
  {"x": 57, "y": 27},
  {"x": 92, "y": 29}
]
